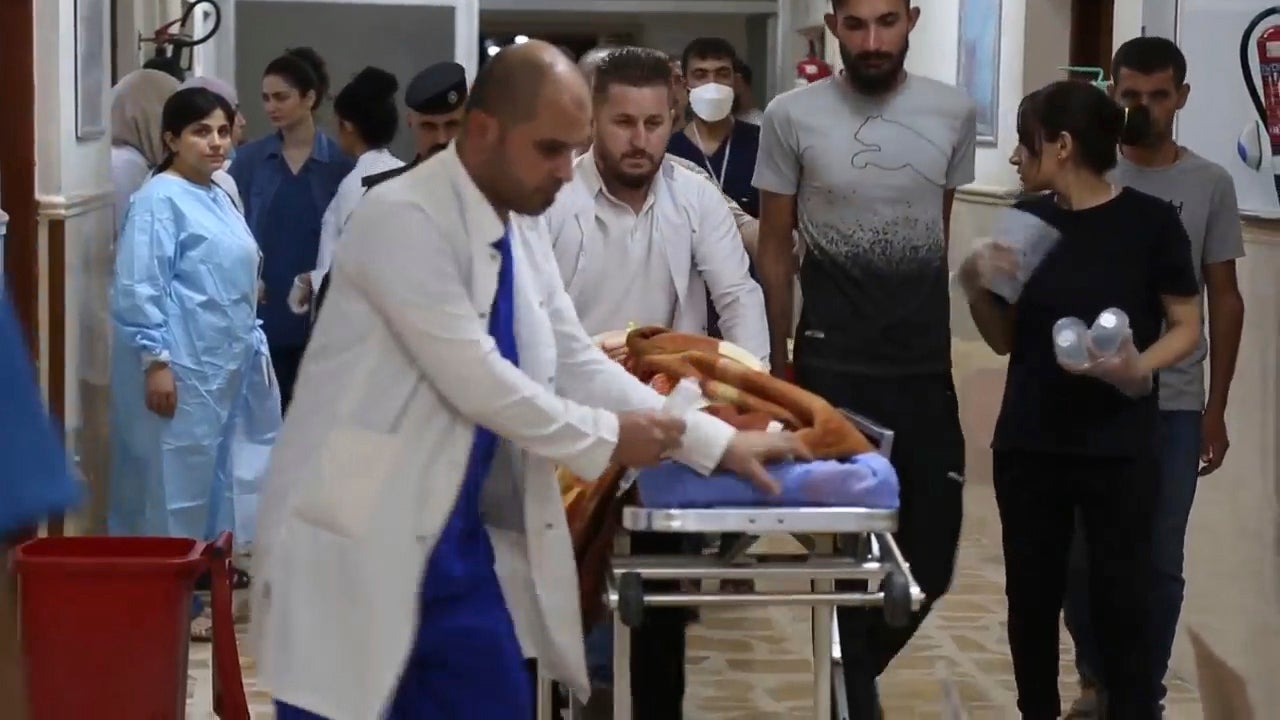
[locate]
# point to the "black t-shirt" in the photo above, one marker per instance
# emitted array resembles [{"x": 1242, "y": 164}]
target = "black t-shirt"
[{"x": 1126, "y": 253}]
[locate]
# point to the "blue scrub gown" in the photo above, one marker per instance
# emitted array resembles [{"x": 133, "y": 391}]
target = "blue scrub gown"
[
  {"x": 185, "y": 290},
  {"x": 466, "y": 662}
]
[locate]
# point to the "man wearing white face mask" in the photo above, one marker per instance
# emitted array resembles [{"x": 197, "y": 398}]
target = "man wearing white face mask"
[{"x": 726, "y": 149}]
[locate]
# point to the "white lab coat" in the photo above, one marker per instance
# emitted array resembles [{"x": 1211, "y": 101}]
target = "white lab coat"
[
  {"x": 399, "y": 371},
  {"x": 349, "y": 192},
  {"x": 702, "y": 244}
]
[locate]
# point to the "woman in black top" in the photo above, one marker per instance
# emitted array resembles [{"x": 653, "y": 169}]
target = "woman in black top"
[{"x": 1070, "y": 439}]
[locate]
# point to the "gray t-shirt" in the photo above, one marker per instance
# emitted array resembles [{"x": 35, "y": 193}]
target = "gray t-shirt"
[
  {"x": 1205, "y": 198},
  {"x": 869, "y": 175}
]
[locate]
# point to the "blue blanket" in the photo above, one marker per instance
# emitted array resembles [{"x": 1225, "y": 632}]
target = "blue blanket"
[{"x": 866, "y": 481}]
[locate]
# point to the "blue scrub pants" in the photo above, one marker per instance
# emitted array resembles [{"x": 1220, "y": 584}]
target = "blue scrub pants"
[{"x": 466, "y": 663}]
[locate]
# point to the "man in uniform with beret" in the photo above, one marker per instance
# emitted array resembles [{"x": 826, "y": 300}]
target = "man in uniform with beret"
[{"x": 434, "y": 100}]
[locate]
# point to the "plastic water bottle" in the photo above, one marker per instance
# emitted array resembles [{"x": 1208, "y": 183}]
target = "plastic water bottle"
[
  {"x": 1070, "y": 341},
  {"x": 1109, "y": 331}
]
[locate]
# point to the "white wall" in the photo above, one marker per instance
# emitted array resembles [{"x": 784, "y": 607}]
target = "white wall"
[
  {"x": 72, "y": 176},
  {"x": 1040, "y": 24}
]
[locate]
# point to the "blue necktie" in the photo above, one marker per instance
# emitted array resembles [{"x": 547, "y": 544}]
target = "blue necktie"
[{"x": 502, "y": 326}]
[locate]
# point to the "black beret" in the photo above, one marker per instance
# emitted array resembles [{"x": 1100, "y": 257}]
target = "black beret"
[{"x": 439, "y": 89}]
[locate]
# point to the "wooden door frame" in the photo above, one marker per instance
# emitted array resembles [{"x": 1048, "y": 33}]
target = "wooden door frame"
[
  {"x": 18, "y": 165},
  {"x": 1092, "y": 27}
]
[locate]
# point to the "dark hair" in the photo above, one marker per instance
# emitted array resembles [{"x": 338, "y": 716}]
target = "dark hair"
[
  {"x": 369, "y": 103},
  {"x": 167, "y": 65},
  {"x": 304, "y": 70},
  {"x": 631, "y": 67},
  {"x": 1096, "y": 124},
  {"x": 744, "y": 71},
  {"x": 1148, "y": 56},
  {"x": 185, "y": 108},
  {"x": 708, "y": 48}
]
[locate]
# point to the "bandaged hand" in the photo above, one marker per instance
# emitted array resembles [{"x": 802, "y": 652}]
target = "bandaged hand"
[
  {"x": 1123, "y": 369},
  {"x": 992, "y": 265},
  {"x": 300, "y": 295}
]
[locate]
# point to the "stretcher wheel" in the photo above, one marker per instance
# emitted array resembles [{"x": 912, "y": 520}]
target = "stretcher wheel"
[
  {"x": 630, "y": 599},
  {"x": 897, "y": 599}
]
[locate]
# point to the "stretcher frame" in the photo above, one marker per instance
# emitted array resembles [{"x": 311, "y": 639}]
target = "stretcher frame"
[{"x": 843, "y": 543}]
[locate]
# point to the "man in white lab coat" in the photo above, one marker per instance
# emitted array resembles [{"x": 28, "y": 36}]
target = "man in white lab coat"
[{"x": 414, "y": 547}]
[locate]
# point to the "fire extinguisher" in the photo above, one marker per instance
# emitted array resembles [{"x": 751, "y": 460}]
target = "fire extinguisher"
[
  {"x": 1266, "y": 133},
  {"x": 811, "y": 68}
]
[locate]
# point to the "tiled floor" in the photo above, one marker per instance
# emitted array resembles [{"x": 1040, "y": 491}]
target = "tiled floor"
[{"x": 755, "y": 664}]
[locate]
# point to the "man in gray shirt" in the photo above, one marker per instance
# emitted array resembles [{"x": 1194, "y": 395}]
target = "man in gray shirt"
[
  {"x": 1152, "y": 71},
  {"x": 865, "y": 166}
]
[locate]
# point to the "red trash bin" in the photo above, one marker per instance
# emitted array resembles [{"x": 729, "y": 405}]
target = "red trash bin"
[{"x": 105, "y": 625}]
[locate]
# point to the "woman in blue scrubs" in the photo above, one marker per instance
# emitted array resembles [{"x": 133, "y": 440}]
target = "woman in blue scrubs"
[{"x": 286, "y": 180}]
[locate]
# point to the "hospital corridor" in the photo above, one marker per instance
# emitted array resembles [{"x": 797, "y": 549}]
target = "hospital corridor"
[{"x": 639, "y": 359}]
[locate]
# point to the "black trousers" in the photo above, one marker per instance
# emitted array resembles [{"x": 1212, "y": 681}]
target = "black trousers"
[
  {"x": 928, "y": 454},
  {"x": 657, "y": 646},
  {"x": 1039, "y": 496}
]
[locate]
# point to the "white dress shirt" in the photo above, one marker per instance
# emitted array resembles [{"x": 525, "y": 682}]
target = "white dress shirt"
[
  {"x": 348, "y": 194},
  {"x": 399, "y": 372},
  {"x": 656, "y": 266}
]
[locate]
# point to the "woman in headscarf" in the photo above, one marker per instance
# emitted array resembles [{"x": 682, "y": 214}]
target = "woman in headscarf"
[{"x": 136, "y": 148}]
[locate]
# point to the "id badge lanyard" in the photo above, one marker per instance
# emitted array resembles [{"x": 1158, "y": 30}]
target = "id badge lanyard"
[{"x": 706, "y": 160}]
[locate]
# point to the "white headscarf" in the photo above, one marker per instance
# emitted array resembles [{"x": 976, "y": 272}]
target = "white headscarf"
[
  {"x": 137, "y": 103},
  {"x": 214, "y": 85}
]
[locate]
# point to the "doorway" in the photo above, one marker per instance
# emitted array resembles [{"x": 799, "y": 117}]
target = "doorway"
[
  {"x": 1091, "y": 34},
  {"x": 573, "y": 43}
]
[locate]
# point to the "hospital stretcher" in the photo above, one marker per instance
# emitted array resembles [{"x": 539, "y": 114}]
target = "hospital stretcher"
[{"x": 844, "y": 543}]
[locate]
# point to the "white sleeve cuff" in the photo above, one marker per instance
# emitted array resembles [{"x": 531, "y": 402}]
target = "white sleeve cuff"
[
  {"x": 706, "y": 438},
  {"x": 594, "y": 459}
]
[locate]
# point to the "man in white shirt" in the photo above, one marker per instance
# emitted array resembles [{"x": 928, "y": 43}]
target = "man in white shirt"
[
  {"x": 413, "y": 486},
  {"x": 668, "y": 228},
  {"x": 748, "y": 226},
  {"x": 641, "y": 240}
]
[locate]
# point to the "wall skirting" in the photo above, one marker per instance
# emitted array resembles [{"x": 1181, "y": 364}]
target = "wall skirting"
[
  {"x": 987, "y": 194},
  {"x": 63, "y": 207}
]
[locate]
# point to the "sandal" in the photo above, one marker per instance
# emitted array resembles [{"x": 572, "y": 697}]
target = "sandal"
[
  {"x": 202, "y": 627},
  {"x": 240, "y": 580}
]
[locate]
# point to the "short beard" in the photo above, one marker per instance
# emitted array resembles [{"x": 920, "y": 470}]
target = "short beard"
[
  {"x": 632, "y": 181},
  {"x": 873, "y": 83}
]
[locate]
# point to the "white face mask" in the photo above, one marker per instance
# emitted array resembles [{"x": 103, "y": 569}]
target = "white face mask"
[{"x": 711, "y": 102}]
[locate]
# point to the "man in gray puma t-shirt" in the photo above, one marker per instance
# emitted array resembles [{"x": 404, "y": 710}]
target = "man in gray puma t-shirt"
[{"x": 864, "y": 165}]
